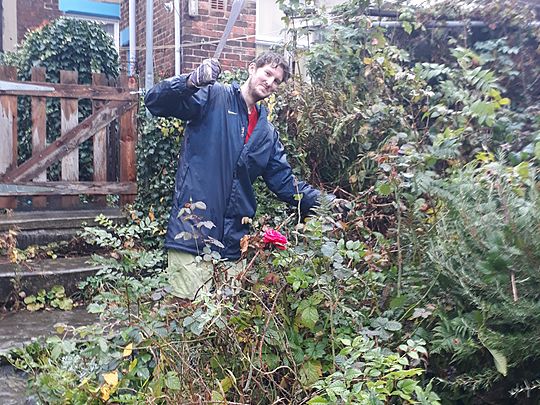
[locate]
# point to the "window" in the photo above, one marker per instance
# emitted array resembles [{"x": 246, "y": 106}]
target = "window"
[
  {"x": 269, "y": 24},
  {"x": 218, "y": 5}
]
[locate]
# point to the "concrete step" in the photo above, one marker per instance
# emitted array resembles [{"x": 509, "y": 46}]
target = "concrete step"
[
  {"x": 20, "y": 328},
  {"x": 43, "y": 227},
  {"x": 23, "y": 327},
  {"x": 31, "y": 277}
]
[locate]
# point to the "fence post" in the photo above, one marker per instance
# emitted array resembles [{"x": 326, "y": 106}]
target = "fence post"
[
  {"x": 70, "y": 119},
  {"x": 100, "y": 141},
  {"x": 128, "y": 142},
  {"x": 8, "y": 132},
  {"x": 39, "y": 131}
]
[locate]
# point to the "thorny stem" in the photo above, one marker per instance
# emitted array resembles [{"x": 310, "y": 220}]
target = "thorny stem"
[
  {"x": 398, "y": 245},
  {"x": 267, "y": 323}
]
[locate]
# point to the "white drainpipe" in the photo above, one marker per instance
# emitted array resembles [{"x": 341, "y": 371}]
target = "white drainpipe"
[
  {"x": 177, "y": 36},
  {"x": 149, "y": 77},
  {"x": 132, "y": 38}
]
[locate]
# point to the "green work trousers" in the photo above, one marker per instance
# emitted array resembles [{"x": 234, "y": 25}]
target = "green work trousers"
[{"x": 188, "y": 277}]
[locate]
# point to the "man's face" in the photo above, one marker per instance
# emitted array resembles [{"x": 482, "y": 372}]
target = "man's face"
[{"x": 263, "y": 81}]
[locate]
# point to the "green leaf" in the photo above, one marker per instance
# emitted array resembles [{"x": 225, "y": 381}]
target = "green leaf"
[
  {"x": 227, "y": 383},
  {"x": 95, "y": 308},
  {"x": 318, "y": 400},
  {"x": 522, "y": 170},
  {"x": 407, "y": 27},
  {"x": 172, "y": 381},
  {"x": 384, "y": 189},
  {"x": 500, "y": 361},
  {"x": 310, "y": 372},
  {"x": 392, "y": 326},
  {"x": 309, "y": 317}
]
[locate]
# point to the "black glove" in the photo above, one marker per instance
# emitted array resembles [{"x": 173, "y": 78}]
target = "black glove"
[{"x": 207, "y": 73}]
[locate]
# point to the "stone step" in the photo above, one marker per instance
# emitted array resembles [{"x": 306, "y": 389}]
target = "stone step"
[
  {"x": 31, "y": 277},
  {"x": 43, "y": 227},
  {"x": 23, "y": 327}
]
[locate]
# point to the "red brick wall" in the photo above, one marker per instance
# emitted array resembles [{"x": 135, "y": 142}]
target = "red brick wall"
[
  {"x": 32, "y": 14},
  {"x": 199, "y": 36}
]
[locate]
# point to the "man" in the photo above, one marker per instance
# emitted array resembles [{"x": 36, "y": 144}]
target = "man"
[{"x": 228, "y": 144}]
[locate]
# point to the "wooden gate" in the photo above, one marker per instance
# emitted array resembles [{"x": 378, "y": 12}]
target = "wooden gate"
[{"x": 112, "y": 125}]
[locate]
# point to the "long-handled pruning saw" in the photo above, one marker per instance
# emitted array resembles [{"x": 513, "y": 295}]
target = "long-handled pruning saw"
[{"x": 236, "y": 7}]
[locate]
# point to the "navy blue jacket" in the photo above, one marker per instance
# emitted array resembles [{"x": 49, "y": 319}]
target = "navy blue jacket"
[{"x": 218, "y": 168}]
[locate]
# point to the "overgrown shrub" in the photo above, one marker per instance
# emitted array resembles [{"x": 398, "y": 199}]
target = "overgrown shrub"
[
  {"x": 302, "y": 326},
  {"x": 438, "y": 255},
  {"x": 484, "y": 252}
]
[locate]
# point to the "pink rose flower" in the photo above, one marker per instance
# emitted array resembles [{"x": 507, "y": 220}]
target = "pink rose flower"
[{"x": 275, "y": 238}]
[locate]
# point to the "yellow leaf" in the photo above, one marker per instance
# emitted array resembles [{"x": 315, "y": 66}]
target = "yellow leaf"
[
  {"x": 495, "y": 94},
  {"x": 226, "y": 384},
  {"x": 133, "y": 364},
  {"x": 504, "y": 101},
  {"x": 105, "y": 392},
  {"x": 60, "y": 328},
  {"x": 127, "y": 350},
  {"x": 111, "y": 378},
  {"x": 368, "y": 61}
]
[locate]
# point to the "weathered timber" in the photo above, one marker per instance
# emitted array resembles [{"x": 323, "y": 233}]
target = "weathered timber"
[
  {"x": 114, "y": 138},
  {"x": 68, "y": 142},
  {"x": 8, "y": 132},
  {"x": 61, "y": 90},
  {"x": 39, "y": 130},
  {"x": 67, "y": 188},
  {"x": 69, "y": 108},
  {"x": 100, "y": 141},
  {"x": 128, "y": 142}
]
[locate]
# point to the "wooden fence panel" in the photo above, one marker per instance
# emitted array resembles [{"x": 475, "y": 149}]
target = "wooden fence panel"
[
  {"x": 70, "y": 141},
  {"x": 39, "y": 131},
  {"x": 114, "y": 107},
  {"x": 8, "y": 132},
  {"x": 70, "y": 118}
]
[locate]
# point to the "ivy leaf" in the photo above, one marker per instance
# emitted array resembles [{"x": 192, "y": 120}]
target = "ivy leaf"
[
  {"x": 206, "y": 224},
  {"x": 392, "y": 326},
  {"x": 328, "y": 249},
  {"x": 384, "y": 189},
  {"x": 184, "y": 235}
]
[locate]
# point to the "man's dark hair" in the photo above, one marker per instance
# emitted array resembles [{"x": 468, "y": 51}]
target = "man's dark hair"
[{"x": 275, "y": 60}]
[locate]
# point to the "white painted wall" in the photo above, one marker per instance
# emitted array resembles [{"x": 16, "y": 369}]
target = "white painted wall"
[{"x": 9, "y": 25}]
